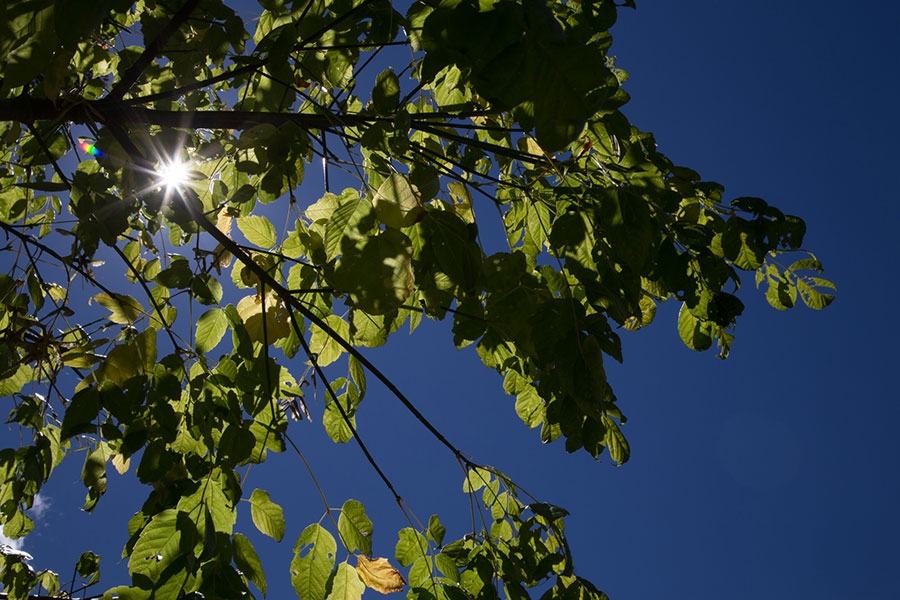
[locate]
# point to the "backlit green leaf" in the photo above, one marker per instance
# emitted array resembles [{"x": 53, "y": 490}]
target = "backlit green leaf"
[
  {"x": 616, "y": 443},
  {"x": 267, "y": 516},
  {"x": 476, "y": 478},
  {"x": 158, "y": 546},
  {"x": 314, "y": 557},
  {"x": 411, "y": 546},
  {"x": 258, "y": 230},
  {"x": 211, "y": 326},
  {"x": 323, "y": 345},
  {"x": 355, "y": 527},
  {"x": 812, "y": 297},
  {"x": 345, "y": 222},
  {"x": 124, "y": 309},
  {"x": 694, "y": 332},
  {"x": 397, "y": 203},
  {"x": 346, "y": 584}
]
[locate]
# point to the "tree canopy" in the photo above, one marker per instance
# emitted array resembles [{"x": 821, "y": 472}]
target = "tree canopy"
[{"x": 204, "y": 216}]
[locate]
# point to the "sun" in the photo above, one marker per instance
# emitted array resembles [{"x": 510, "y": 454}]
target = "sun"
[{"x": 173, "y": 174}]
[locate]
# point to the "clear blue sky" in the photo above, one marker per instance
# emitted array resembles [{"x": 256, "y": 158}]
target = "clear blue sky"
[{"x": 772, "y": 474}]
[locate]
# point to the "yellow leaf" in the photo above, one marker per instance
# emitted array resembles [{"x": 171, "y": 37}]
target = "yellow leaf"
[
  {"x": 397, "y": 202},
  {"x": 378, "y": 574},
  {"x": 121, "y": 463},
  {"x": 277, "y": 323},
  {"x": 224, "y": 221}
]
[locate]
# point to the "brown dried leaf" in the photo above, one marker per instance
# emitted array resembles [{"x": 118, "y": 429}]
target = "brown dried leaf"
[{"x": 378, "y": 574}]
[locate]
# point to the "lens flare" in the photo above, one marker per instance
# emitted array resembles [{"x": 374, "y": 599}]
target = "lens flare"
[{"x": 90, "y": 148}]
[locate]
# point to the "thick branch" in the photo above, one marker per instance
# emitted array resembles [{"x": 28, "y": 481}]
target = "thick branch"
[{"x": 27, "y": 110}]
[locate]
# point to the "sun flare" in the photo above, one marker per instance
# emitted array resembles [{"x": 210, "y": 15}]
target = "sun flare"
[{"x": 173, "y": 174}]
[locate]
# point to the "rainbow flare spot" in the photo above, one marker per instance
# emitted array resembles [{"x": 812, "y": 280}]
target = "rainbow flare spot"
[{"x": 90, "y": 148}]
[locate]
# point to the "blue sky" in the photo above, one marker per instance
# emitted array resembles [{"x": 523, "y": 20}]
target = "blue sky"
[{"x": 772, "y": 474}]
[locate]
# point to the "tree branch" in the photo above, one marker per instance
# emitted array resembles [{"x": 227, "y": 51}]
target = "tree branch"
[
  {"x": 152, "y": 50},
  {"x": 25, "y": 109}
]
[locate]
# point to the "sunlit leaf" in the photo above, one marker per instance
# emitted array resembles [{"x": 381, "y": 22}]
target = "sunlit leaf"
[
  {"x": 411, "y": 546},
  {"x": 619, "y": 449},
  {"x": 158, "y": 546},
  {"x": 314, "y": 557},
  {"x": 258, "y": 230},
  {"x": 355, "y": 527},
  {"x": 323, "y": 346},
  {"x": 211, "y": 326},
  {"x": 397, "y": 202},
  {"x": 346, "y": 584},
  {"x": 277, "y": 320},
  {"x": 436, "y": 530},
  {"x": 124, "y": 309},
  {"x": 267, "y": 516}
]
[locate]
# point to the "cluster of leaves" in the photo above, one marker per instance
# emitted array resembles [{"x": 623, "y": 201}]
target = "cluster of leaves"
[
  {"x": 513, "y": 104},
  {"x": 518, "y": 547}
]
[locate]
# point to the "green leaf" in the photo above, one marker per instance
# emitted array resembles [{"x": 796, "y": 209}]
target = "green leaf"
[
  {"x": 377, "y": 272},
  {"x": 124, "y": 309},
  {"x": 476, "y": 478},
  {"x": 157, "y": 547},
  {"x": 397, "y": 203},
  {"x": 436, "y": 531},
  {"x": 386, "y": 94},
  {"x": 812, "y": 297},
  {"x": 781, "y": 294},
  {"x": 14, "y": 383},
  {"x": 267, "y": 516},
  {"x": 694, "y": 332},
  {"x": 447, "y": 567},
  {"x": 80, "y": 414},
  {"x": 314, "y": 556},
  {"x": 258, "y": 230},
  {"x": 619, "y": 449},
  {"x": 323, "y": 346},
  {"x": 211, "y": 327},
  {"x": 411, "y": 546},
  {"x": 530, "y": 407},
  {"x": 50, "y": 580},
  {"x": 277, "y": 320},
  {"x": 357, "y": 374},
  {"x": 355, "y": 527},
  {"x": 206, "y": 289},
  {"x": 420, "y": 573},
  {"x": 88, "y": 567},
  {"x": 93, "y": 475},
  {"x": 122, "y": 363},
  {"x": 345, "y": 223},
  {"x": 336, "y": 426},
  {"x": 346, "y": 584},
  {"x": 551, "y": 512},
  {"x": 246, "y": 559},
  {"x": 177, "y": 275}
]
